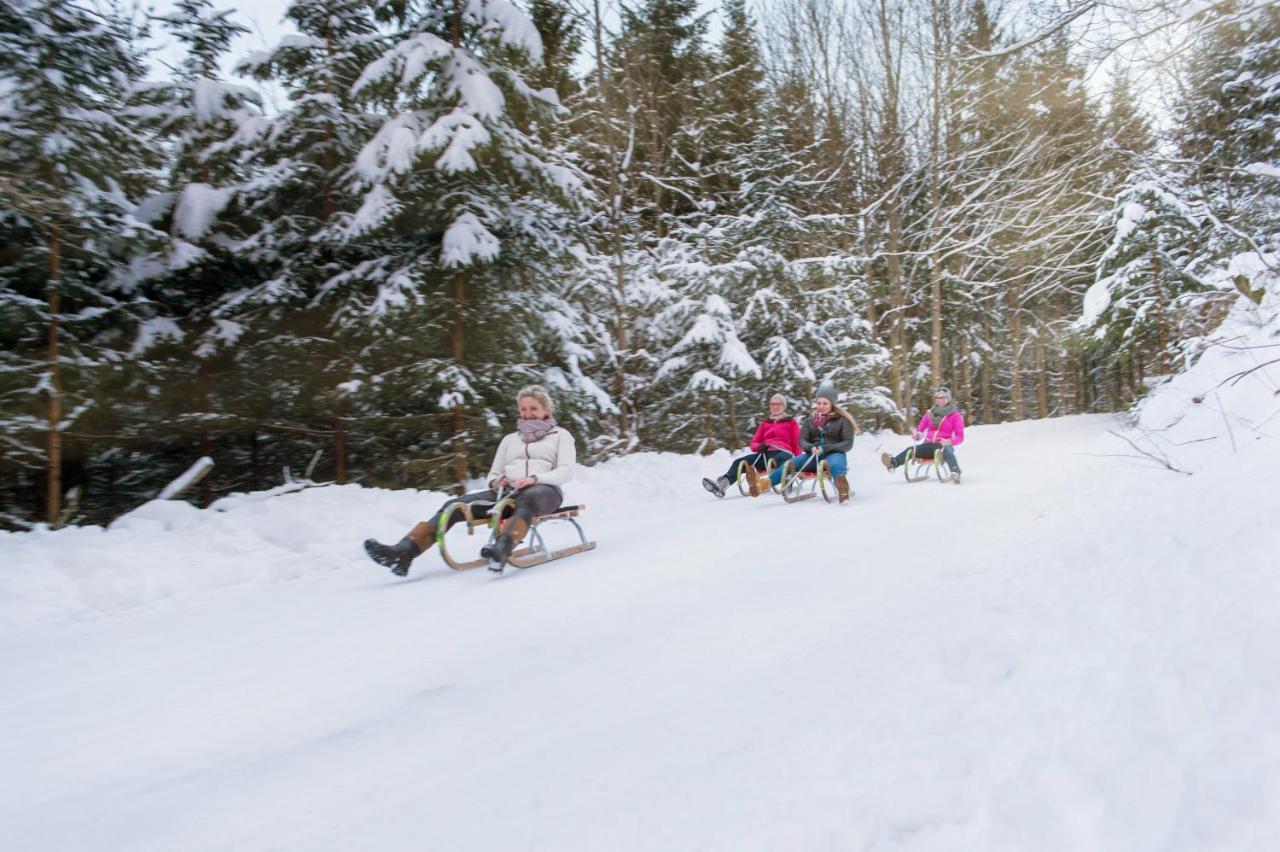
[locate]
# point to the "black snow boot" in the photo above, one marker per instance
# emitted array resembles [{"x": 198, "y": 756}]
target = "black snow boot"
[
  {"x": 394, "y": 556},
  {"x": 513, "y": 532},
  {"x": 498, "y": 552},
  {"x": 716, "y": 487}
]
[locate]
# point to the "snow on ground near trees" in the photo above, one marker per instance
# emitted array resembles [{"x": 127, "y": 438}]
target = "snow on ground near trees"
[{"x": 1070, "y": 651}]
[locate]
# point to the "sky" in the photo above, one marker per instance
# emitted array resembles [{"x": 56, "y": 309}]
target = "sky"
[{"x": 265, "y": 19}]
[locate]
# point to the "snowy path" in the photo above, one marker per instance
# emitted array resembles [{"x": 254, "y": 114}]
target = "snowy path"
[{"x": 1066, "y": 652}]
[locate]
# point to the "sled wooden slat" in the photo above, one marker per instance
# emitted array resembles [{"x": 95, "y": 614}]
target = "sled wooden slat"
[{"x": 521, "y": 560}]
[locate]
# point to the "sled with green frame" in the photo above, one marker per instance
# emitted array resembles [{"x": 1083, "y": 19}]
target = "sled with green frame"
[
  {"x": 534, "y": 550},
  {"x": 918, "y": 470}
]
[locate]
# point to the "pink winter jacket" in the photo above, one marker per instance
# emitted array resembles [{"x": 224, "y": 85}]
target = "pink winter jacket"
[
  {"x": 951, "y": 428},
  {"x": 782, "y": 434}
]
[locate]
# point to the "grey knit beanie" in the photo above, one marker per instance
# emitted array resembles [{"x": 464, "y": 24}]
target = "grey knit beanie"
[
  {"x": 944, "y": 391},
  {"x": 827, "y": 391}
]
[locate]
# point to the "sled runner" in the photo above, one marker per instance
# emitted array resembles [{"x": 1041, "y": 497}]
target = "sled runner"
[
  {"x": 918, "y": 470},
  {"x": 535, "y": 550},
  {"x": 797, "y": 485}
]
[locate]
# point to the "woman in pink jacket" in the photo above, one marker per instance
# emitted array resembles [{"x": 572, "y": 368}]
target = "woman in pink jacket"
[
  {"x": 777, "y": 437},
  {"x": 941, "y": 428}
]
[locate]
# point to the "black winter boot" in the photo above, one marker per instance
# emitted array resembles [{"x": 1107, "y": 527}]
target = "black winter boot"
[
  {"x": 394, "y": 556},
  {"x": 498, "y": 552}
]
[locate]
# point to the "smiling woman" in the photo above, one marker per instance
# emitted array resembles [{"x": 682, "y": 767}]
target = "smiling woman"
[{"x": 531, "y": 464}]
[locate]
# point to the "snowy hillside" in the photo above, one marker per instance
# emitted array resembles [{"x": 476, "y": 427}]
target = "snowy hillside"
[{"x": 1072, "y": 650}]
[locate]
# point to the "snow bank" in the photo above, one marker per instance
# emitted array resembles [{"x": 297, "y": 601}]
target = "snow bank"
[
  {"x": 1228, "y": 399},
  {"x": 168, "y": 549}
]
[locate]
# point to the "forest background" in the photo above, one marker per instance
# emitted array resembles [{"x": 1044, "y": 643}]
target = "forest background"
[{"x": 1046, "y": 206}]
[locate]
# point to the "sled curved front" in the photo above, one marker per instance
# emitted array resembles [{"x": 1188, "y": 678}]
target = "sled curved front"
[{"x": 442, "y": 527}]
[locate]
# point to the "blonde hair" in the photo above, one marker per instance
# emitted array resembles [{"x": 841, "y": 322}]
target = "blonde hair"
[
  {"x": 838, "y": 409},
  {"x": 539, "y": 393}
]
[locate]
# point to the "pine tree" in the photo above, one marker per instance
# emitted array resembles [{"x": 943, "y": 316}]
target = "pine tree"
[
  {"x": 469, "y": 210},
  {"x": 298, "y": 209},
  {"x": 74, "y": 166}
]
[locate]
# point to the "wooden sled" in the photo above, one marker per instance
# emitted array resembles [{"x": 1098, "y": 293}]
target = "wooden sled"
[
  {"x": 535, "y": 550},
  {"x": 924, "y": 467}
]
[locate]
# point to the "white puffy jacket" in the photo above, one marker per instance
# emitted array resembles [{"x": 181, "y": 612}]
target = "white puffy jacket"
[{"x": 550, "y": 458}]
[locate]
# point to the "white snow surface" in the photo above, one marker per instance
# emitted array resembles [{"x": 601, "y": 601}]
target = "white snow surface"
[
  {"x": 1069, "y": 651},
  {"x": 1229, "y": 399}
]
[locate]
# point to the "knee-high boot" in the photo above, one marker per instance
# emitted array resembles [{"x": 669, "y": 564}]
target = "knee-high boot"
[
  {"x": 514, "y": 529},
  {"x": 398, "y": 556}
]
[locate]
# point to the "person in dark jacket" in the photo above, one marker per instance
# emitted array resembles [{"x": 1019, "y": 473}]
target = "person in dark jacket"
[
  {"x": 827, "y": 433},
  {"x": 775, "y": 438}
]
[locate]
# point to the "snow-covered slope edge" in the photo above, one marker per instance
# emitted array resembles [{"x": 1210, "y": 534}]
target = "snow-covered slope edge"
[
  {"x": 1230, "y": 397},
  {"x": 168, "y": 550}
]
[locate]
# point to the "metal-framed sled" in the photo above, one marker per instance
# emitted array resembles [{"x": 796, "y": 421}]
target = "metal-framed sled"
[
  {"x": 797, "y": 485},
  {"x": 918, "y": 470},
  {"x": 535, "y": 552}
]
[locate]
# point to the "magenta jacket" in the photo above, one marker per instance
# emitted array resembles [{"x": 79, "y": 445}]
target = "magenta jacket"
[
  {"x": 951, "y": 428},
  {"x": 782, "y": 434}
]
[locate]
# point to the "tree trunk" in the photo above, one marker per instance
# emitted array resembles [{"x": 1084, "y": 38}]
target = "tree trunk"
[
  {"x": 53, "y": 449},
  {"x": 898, "y": 326},
  {"x": 1162, "y": 318},
  {"x": 339, "y": 450},
  {"x": 459, "y": 437},
  {"x": 620, "y": 323},
  {"x": 1067, "y": 403},
  {"x": 1042, "y": 377},
  {"x": 966, "y": 370},
  {"x": 1015, "y": 339},
  {"x": 988, "y": 411}
]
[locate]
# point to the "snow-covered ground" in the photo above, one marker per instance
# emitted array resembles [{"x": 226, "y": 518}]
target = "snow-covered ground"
[{"x": 1071, "y": 650}]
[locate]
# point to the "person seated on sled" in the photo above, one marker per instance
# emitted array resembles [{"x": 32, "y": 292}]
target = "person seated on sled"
[
  {"x": 775, "y": 438},
  {"x": 827, "y": 433},
  {"x": 941, "y": 428},
  {"x": 531, "y": 463}
]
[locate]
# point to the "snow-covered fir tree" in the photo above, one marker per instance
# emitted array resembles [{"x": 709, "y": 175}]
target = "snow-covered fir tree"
[
  {"x": 74, "y": 167},
  {"x": 471, "y": 216}
]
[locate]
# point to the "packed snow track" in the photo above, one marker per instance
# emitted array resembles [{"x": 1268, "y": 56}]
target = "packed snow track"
[{"x": 1075, "y": 649}]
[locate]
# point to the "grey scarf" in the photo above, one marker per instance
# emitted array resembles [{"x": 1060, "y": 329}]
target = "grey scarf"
[
  {"x": 937, "y": 415},
  {"x": 534, "y": 430}
]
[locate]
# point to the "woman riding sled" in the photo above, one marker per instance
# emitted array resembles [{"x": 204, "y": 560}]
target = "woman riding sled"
[
  {"x": 827, "y": 434},
  {"x": 531, "y": 464},
  {"x": 775, "y": 439},
  {"x": 941, "y": 428}
]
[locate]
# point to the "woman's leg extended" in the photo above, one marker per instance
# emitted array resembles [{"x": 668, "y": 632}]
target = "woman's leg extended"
[
  {"x": 838, "y": 462},
  {"x": 923, "y": 451},
  {"x": 398, "y": 556},
  {"x": 949, "y": 455},
  {"x": 736, "y": 467},
  {"x": 424, "y": 534}
]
